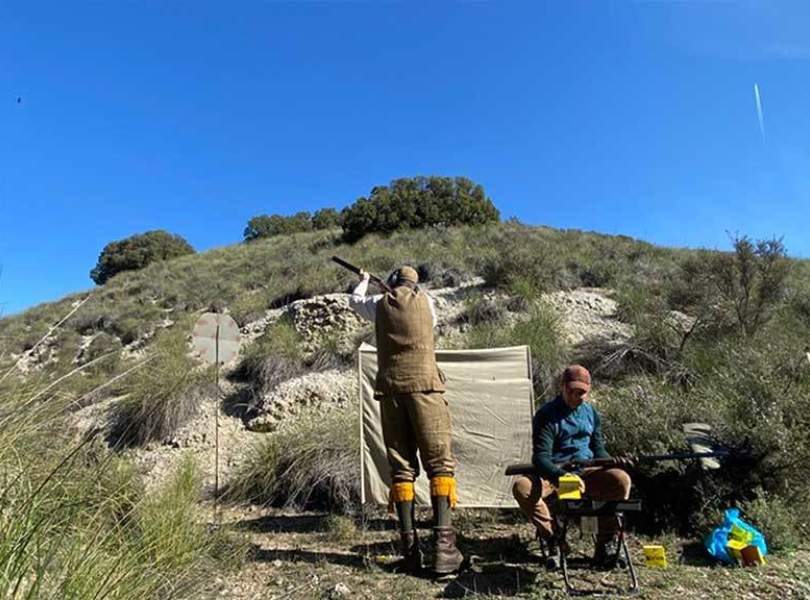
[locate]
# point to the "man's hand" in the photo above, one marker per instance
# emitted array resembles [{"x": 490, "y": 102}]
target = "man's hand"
[
  {"x": 364, "y": 275},
  {"x": 627, "y": 460}
]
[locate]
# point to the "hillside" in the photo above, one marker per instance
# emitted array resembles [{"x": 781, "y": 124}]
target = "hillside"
[
  {"x": 672, "y": 335},
  {"x": 251, "y": 278}
]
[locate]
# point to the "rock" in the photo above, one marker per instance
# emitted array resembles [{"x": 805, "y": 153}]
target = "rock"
[
  {"x": 263, "y": 423},
  {"x": 587, "y": 313},
  {"x": 341, "y": 590},
  {"x": 680, "y": 322},
  {"x": 332, "y": 387},
  {"x": 323, "y": 317}
]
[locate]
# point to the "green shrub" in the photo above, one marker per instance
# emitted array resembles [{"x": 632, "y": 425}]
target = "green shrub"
[
  {"x": 100, "y": 345},
  {"x": 658, "y": 339},
  {"x": 417, "y": 202},
  {"x": 137, "y": 251},
  {"x": 743, "y": 288},
  {"x": 311, "y": 464},
  {"x": 755, "y": 405},
  {"x": 785, "y": 522},
  {"x": 266, "y": 226},
  {"x": 162, "y": 396},
  {"x": 525, "y": 271},
  {"x": 272, "y": 358},
  {"x": 480, "y": 311},
  {"x": 250, "y": 307},
  {"x": 326, "y": 218}
]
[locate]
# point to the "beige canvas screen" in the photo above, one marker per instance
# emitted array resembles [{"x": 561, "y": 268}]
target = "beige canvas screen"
[{"x": 490, "y": 397}]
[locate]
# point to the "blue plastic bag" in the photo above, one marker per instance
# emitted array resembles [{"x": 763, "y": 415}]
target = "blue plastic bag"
[{"x": 716, "y": 541}]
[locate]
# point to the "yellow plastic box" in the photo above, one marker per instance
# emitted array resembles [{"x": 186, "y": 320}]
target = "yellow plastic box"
[
  {"x": 741, "y": 535},
  {"x": 735, "y": 548},
  {"x": 569, "y": 488},
  {"x": 655, "y": 557}
]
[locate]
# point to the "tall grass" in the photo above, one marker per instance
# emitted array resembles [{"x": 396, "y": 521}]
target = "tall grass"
[
  {"x": 74, "y": 521},
  {"x": 161, "y": 397},
  {"x": 311, "y": 464}
]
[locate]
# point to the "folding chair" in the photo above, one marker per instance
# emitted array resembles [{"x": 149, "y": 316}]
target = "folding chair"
[{"x": 568, "y": 510}]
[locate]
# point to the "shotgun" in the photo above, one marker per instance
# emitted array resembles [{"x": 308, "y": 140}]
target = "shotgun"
[
  {"x": 576, "y": 465},
  {"x": 346, "y": 265}
]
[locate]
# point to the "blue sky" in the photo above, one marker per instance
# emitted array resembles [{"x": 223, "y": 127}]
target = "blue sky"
[{"x": 622, "y": 117}]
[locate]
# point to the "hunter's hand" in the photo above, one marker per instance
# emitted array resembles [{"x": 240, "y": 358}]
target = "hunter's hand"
[{"x": 364, "y": 275}]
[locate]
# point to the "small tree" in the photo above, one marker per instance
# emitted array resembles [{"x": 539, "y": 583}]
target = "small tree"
[
  {"x": 752, "y": 280},
  {"x": 137, "y": 251},
  {"x": 743, "y": 288},
  {"x": 265, "y": 226}
]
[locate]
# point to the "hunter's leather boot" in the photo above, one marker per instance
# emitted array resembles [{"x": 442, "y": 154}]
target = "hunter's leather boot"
[
  {"x": 402, "y": 497},
  {"x": 446, "y": 557},
  {"x": 411, "y": 553}
]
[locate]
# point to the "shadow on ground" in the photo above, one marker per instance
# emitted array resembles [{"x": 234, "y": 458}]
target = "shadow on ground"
[
  {"x": 694, "y": 554},
  {"x": 282, "y": 524},
  {"x": 238, "y": 404},
  {"x": 308, "y": 556}
]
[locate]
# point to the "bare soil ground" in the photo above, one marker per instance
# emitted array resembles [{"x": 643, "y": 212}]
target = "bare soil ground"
[{"x": 303, "y": 555}]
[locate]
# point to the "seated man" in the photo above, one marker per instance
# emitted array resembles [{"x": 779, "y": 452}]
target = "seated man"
[{"x": 564, "y": 429}]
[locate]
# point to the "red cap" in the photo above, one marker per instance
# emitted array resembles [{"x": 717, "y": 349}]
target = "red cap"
[{"x": 577, "y": 377}]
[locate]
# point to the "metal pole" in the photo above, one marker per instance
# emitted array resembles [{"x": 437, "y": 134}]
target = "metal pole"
[{"x": 216, "y": 428}]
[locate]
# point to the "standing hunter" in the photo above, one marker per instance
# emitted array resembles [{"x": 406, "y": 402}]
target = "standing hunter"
[{"x": 414, "y": 413}]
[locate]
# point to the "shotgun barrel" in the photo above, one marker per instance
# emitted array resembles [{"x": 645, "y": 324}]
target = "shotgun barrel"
[
  {"x": 529, "y": 468},
  {"x": 358, "y": 270}
]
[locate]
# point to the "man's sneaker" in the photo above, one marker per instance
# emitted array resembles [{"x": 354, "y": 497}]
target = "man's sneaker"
[{"x": 607, "y": 554}]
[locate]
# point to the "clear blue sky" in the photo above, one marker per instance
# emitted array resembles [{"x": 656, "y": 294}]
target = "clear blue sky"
[{"x": 622, "y": 117}]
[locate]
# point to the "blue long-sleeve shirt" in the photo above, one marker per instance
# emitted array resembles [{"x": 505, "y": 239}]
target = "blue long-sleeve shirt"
[{"x": 560, "y": 434}]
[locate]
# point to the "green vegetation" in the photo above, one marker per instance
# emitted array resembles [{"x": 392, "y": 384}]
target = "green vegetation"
[
  {"x": 265, "y": 226},
  {"x": 311, "y": 464},
  {"x": 137, "y": 251},
  {"x": 540, "y": 331},
  {"x": 326, "y": 218},
  {"x": 75, "y": 522},
  {"x": 736, "y": 363},
  {"x": 418, "y": 202},
  {"x": 270, "y": 272},
  {"x": 273, "y": 358},
  {"x": 340, "y": 528},
  {"x": 162, "y": 396}
]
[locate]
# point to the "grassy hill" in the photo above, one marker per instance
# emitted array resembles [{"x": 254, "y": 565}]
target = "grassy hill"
[{"x": 715, "y": 337}]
